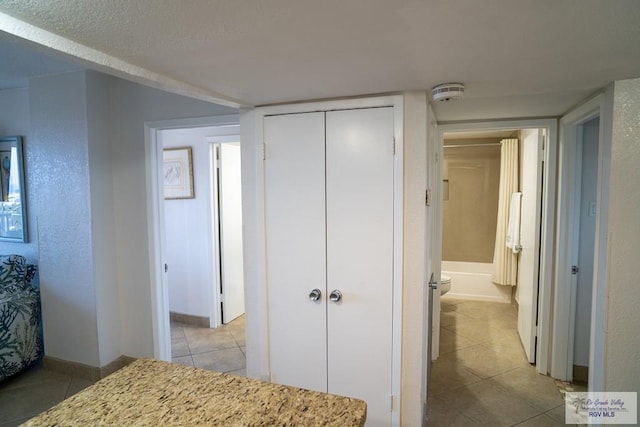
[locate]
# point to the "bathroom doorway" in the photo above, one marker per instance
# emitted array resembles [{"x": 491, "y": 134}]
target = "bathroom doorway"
[{"x": 473, "y": 156}]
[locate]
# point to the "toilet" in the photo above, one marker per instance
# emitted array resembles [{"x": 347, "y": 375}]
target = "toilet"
[{"x": 445, "y": 284}]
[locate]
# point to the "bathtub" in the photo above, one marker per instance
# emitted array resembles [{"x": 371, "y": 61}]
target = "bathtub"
[{"x": 472, "y": 280}]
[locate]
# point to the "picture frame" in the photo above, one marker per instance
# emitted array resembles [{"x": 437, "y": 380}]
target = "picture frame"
[{"x": 177, "y": 172}]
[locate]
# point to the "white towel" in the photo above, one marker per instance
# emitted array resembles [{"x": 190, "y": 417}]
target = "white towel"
[{"x": 513, "y": 229}]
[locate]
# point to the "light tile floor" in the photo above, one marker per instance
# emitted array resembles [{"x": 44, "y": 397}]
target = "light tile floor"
[
  {"x": 221, "y": 349},
  {"x": 482, "y": 376},
  {"x": 36, "y": 390}
]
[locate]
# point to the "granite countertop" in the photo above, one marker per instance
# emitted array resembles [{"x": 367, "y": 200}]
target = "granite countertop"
[{"x": 155, "y": 393}]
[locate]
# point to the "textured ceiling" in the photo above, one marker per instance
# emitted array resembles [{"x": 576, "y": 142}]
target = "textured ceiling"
[{"x": 517, "y": 58}]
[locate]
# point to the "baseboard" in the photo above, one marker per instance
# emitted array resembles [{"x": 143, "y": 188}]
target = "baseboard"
[
  {"x": 189, "y": 319},
  {"x": 580, "y": 374},
  {"x": 91, "y": 373},
  {"x": 117, "y": 364},
  {"x": 472, "y": 297}
]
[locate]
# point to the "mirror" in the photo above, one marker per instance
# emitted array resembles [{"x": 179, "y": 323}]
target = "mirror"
[{"x": 13, "y": 212}]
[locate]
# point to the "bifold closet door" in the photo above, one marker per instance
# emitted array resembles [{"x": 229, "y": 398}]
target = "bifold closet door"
[
  {"x": 359, "y": 150},
  {"x": 294, "y": 177}
]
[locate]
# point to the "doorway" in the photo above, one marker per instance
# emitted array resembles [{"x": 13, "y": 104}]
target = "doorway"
[
  {"x": 199, "y": 236},
  {"x": 492, "y": 182},
  {"x": 480, "y": 340},
  {"x": 536, "y": 306},
  {"x": 203, "y": 229},
  {"x": 226, "y": 204},
  {"x": 581, "y": 247}
]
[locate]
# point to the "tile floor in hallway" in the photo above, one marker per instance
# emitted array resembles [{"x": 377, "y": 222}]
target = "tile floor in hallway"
[
  {"x": 482, "y": 376},
  {"x": 221, "y": 349},
  {"x": 37, "y": 389}
]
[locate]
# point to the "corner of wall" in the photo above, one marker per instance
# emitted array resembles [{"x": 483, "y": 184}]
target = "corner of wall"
[
  {"x": 414, "y": 249},
  {"x": 255, "y": 294},
  {"x": 621, "y": 363}
]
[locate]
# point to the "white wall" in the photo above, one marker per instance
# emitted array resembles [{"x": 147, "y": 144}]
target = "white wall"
[
  {"x": 584, "y": 287},
  {"x": 61, "y": 203},
  {"x": 131, "y": 105},
  {"x": 15, "y": 121},
  {"x": 414, "y": 311},
  {"x": 622, "y": 341},
  {"x": 188, "y": 230},
  {"x": 102, "y": 220},
  {"x": 257, "y": 334}
]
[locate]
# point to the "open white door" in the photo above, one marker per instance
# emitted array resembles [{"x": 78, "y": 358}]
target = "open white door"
[
  {"x": 528, "y": 262},
  {"x": 231, "y": 232}
]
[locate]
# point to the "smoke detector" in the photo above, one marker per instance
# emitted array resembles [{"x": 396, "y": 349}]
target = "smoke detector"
[{"x": 448, "y": 91}]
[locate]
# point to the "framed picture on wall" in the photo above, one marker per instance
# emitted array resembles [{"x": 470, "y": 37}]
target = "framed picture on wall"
[{"x": 177, "y": 170}]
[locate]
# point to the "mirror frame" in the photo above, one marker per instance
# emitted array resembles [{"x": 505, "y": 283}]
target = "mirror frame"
[{"x": 6, "y": 143}]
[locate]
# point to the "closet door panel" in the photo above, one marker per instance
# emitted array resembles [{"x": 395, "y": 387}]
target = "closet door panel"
[
  {"x": 294, "y": 176},
  {"x": 360, "y": 257}
]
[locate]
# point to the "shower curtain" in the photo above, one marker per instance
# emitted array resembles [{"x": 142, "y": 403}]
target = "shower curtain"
[{"x": 505, "y": 261}]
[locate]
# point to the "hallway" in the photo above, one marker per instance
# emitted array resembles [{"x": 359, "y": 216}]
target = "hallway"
[{"x": 482, "y": 376}]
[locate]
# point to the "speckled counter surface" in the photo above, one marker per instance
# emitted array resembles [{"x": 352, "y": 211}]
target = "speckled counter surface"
[{"x": 154, "y": 393}]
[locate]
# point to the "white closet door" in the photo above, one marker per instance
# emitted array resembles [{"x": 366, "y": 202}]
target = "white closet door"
[
  {"x": 294, "y": 174},
  {"x": 231, "y": 232},
  {"x": 360, "y": 257}
]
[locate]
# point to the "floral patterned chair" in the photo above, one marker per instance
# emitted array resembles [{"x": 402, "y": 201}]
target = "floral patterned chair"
[{"x": 20, "y": 337}]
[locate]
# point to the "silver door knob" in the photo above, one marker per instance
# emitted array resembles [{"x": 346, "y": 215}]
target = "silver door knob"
[
  {"x": 335, "y": 295},
  {"x": 315, "y": 295}
]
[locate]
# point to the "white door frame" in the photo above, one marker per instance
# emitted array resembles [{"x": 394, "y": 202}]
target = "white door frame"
[
  {"x": 548, "y": 217},
  {"x": 567, "y": 243},
  {"x": 397, "y": 102},
  {"x": 155, "y": 223}
]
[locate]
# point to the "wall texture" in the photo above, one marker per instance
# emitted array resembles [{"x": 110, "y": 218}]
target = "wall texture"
[
  {"x": 414, "y": 311},
  {"x": 470, "y": 206},
  {"x": 622, "y": 341},
  {"x": 102, "y": 220},
  {"x": 61, "y": 203}
]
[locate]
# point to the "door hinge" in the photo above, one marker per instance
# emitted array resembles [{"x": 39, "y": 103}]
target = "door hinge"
[
  {"x": 574, "y": 269},
  {"x": 221, "y": 297},
  {"x": 391, "y": 403},
  {"x": 427, "y": 197},
  {"x": 217, "y": 157},
  {"x": 166, "y": 268},
  {"x": 393, "y": 145},
  {"x": 264, "y": 151}
]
